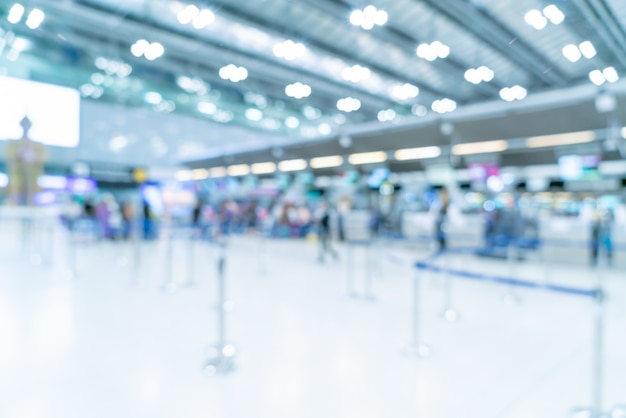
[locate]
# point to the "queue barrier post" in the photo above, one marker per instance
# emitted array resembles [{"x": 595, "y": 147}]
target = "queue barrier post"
[
  {"x": 221, "y": 356},
  {"x": 368, "y": 293}
]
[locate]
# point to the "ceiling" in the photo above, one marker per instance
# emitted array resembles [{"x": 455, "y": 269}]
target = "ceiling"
[{"x": 201, "y": 117}]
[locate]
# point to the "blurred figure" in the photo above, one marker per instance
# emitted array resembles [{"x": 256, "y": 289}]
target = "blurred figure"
[
  {"x": 441, "y": 217},
  {"x": 196, "y": 215},
  {"x": 127, "y": 220},
  {"x": 250, "y": 218},
  {"x": 25, "y": 161},
  {"x": 375, "y": 223},
  {"x": 107, "y": 217},
  {"x": 148, "y": 222},
  {"x": 601, "y": 235},
  {"x": 323, "y": 217},
  {"x": 198, "y": 224}
]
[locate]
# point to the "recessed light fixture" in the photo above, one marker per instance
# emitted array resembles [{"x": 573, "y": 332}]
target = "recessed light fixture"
[
  {"x": 233, "y": 73},
  {"x": 298, "y": 90},
  {"x": 516, "y": 92},
  {"x": 150, "y": 51},
  {"x": 386, "y": 115},
  {"x": 444, "y": 106},
  {"x": 289, "y": 50},
  {"x": 356, "y": 73},
  {"x": 432, "y": 51},
  {"x": 254, "y": 114},
  {"x": 348, "y": 104},
  {"x": 480, "y": 74},
  {"x": 292, "y": 122},
  {"x": 369, "y": 17},
  {"x": 16, "y": 12},
  {"x": 35, "y": 18}
]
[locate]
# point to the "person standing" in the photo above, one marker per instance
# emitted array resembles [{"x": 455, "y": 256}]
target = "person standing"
[
  {"x": 324, "y": 233},
  {"x": 601, "y": 235},
  {"x": 441, "y": 218}
]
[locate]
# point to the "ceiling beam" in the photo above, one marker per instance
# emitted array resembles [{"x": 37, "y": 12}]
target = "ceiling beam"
[
  {"x": 498, "y": 36},
  {"x": 612, "y": 25},
  {"x": 397, "y": 37},
  {"x": 232, "y": 10},
  {"x": 197, "y": 49}
]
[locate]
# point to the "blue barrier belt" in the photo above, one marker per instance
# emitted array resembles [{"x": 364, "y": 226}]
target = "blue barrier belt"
[
  {"x": 593, "y": 293},
  {"x": 554, "y": 242}
]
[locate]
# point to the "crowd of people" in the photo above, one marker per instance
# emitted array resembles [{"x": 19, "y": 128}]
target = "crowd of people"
[{"x": 109, "y": 218}]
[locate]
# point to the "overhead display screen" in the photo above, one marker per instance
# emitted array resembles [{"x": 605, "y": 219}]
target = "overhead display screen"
[
  {"x": 54, "y": 112},
  {"x": 579, "y": 167}
]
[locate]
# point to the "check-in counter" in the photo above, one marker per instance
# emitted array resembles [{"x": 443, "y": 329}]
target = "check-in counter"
[
  {"x": 461, "y": 230},
  {"x": 466, "y": 231},
  {"x": 417, "y": 227},
  {"x": 565, "y": 240},
  {"x": 356, "y": 225}
]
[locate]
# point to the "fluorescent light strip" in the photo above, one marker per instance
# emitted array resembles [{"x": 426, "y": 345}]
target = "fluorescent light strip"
[
  {"x": 263, "y": 168},
  {"x": 417, "y": 153},
  {"x": 560, "y": 139},
  {"x": 183, "y": 175},
  {"x": 292, "y": 165},
  {"x": 239, "y": 170},
  {"x": 368, "y": 157},
  {"x": 52, "y": 182},
  {"x": 216, "y": 172},
  {"x": 200, "y": 173},
  {"x": 480, "y": 147},
  {"x": 327, "y": 162}
]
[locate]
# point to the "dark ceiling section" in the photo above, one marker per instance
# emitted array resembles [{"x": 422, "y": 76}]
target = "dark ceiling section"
[
  {"x": 513, "y": 125},
  {"x": 575, "y": 118},
  {"x": 496, "y": 34}
]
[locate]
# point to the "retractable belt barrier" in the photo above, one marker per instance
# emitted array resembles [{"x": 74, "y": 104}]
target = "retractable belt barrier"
[
  {"x": 504, "y": 240},
  {"x": 596, "y": 294},
  {"x": 221, "y": 356},
  {"x": 508, "y": 281}
]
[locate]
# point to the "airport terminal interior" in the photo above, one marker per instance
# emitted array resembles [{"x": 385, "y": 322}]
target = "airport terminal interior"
[{"x": 312, "y": 208}]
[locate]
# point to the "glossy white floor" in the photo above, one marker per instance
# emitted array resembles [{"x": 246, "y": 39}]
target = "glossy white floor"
[{"x": 107, "y": 342}]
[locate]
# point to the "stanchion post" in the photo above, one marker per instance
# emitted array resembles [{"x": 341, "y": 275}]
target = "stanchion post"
[
  {"x": 546, "y": 256},
  {"x": 221, "y": 357},
  {"x": 262, "y": 251},
  {"x": 415, "y": 317},
  {"x": 511, "y": 254},
  {"x": 71, "y": 252},
  {"x": 169, "y": 284},
  {"x": 415, "y": 348},
  {"x": 350, "y": 270},
  {"x": 36, "y": 245},
  {"x": 449, "y": 313},
  {"x": 136, "y": 270},
  {"x": 51, "y": 228},
  {"x": 598, "y": 356},
  {"x": 191, "y": 261},
  {"x": 369, "y": 294}
]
